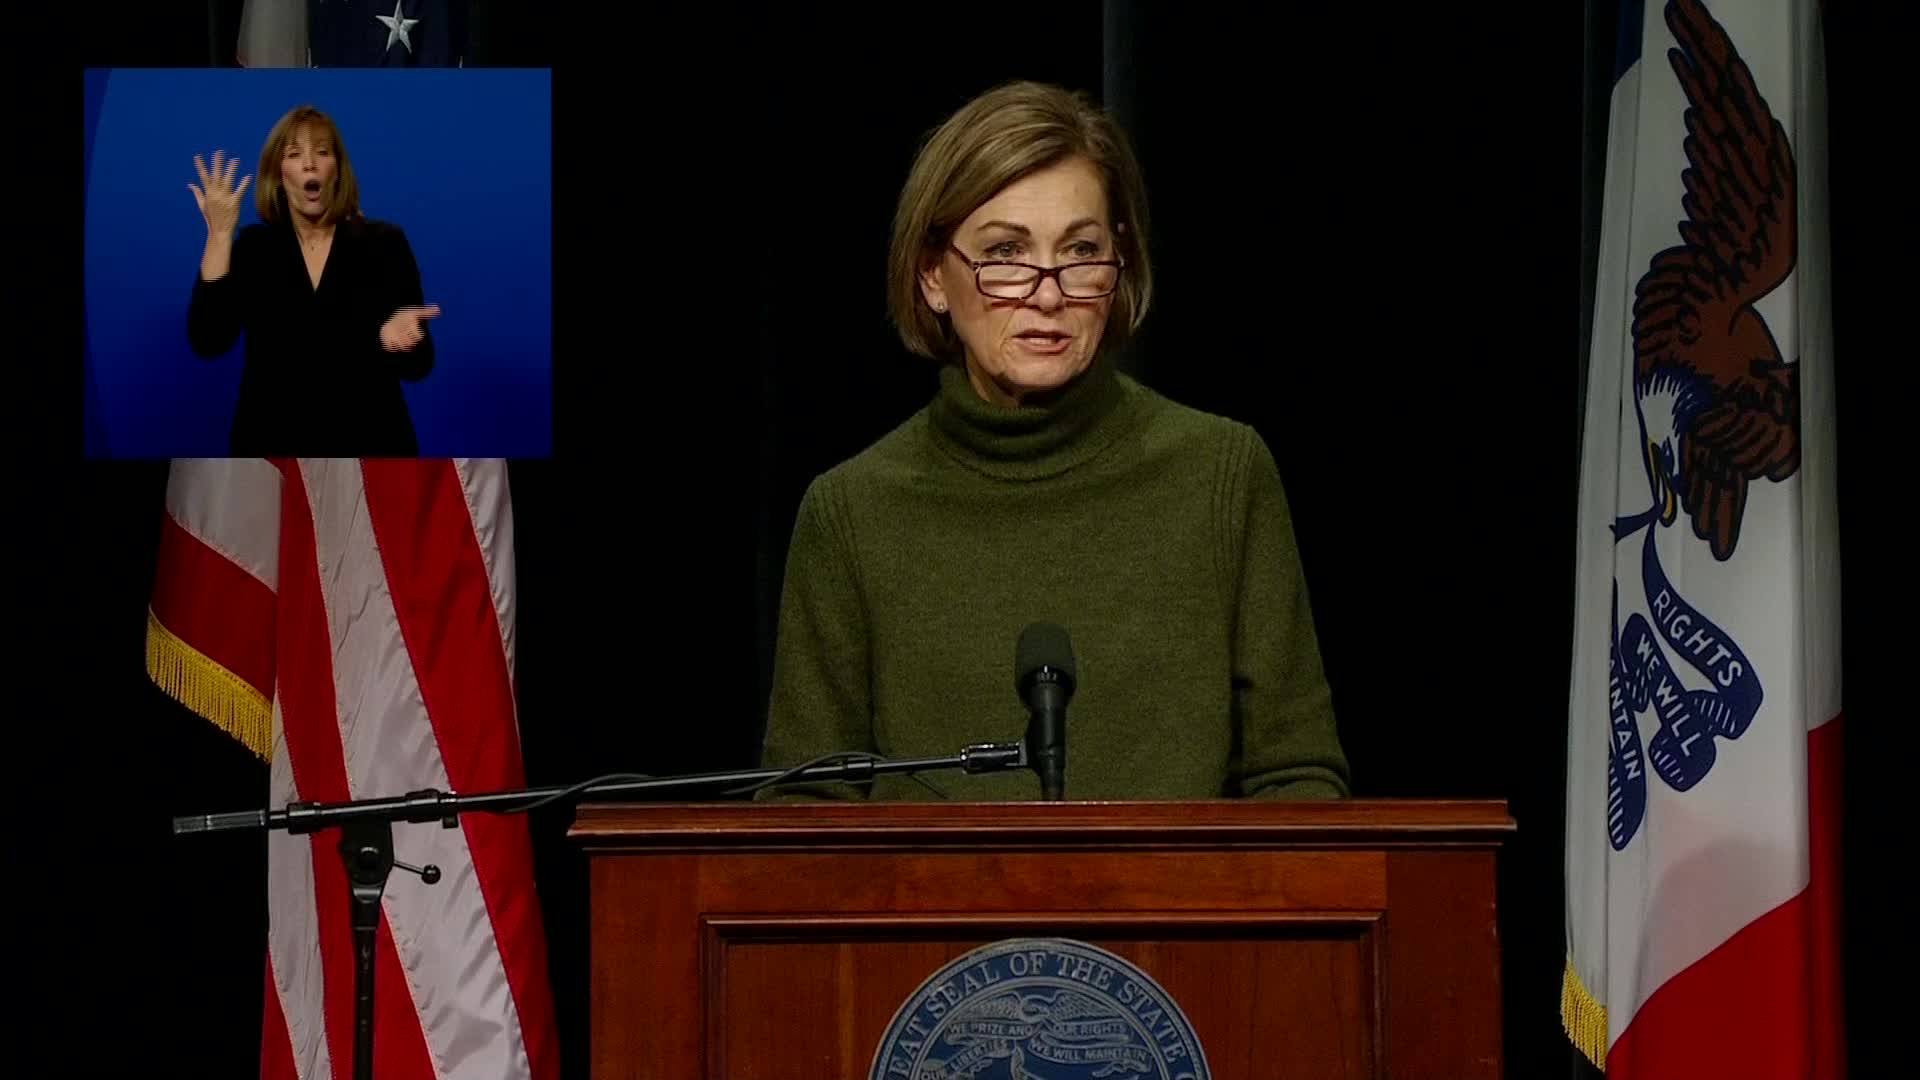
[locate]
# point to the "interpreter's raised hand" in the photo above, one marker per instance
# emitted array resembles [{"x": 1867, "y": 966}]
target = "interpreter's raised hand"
[
  {"x": 219, "y": 199},
  {"x": 402, "y": 332}
]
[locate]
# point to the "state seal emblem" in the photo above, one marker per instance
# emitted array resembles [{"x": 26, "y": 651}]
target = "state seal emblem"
[{"x": 1039, "y": 1009}]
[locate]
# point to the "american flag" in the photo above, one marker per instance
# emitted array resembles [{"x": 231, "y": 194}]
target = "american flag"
[
  {"x": 352, "y": 622},
  {"x": 387, "y": 33},
  {"x": 353, "y": 33}
]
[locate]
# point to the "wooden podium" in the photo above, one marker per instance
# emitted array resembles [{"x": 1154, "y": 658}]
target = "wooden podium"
[{"x": 1311, "y": 940}]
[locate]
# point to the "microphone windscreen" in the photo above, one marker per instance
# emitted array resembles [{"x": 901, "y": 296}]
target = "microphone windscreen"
[{"x": 1043, "y": 644}]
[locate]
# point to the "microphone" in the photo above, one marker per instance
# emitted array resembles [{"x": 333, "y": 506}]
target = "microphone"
[
  {"x": 240, "y": 819},
  {"x": 1044, "y": 674}
]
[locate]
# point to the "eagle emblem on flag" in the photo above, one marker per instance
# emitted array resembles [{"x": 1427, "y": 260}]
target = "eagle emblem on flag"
[{"x": 1718, "y": 408}]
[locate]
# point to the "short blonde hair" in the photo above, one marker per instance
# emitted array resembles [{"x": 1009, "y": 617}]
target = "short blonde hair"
[
  {"x": 1005, "y": 134},
  {"x": 268, "y": 198}
]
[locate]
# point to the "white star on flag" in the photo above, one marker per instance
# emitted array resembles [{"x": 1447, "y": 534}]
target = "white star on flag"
[{"x": 397, "y": 27}]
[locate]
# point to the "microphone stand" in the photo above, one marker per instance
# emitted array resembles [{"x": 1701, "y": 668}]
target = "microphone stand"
[{"x": 366, "y": 827}]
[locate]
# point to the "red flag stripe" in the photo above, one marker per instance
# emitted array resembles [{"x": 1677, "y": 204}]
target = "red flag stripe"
[
  {"x": 1824, "y": 767},
  {"x": 444, "y": 604},
  {"x": 306, "y": 709},
  {"x": 309, "y": 718},
  {"x": 221, "y": 610},
  {"x": 1761, "y": 1006},
  {"x": 485, "y": 484}
]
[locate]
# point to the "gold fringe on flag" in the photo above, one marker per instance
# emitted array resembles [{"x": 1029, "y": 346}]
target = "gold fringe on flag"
[
  {"x": 1584, "y": 1018},
  {"x": 193, "y": 679}
]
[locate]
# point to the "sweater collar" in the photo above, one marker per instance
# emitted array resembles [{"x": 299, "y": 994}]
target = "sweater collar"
[
  {"x": 1029, "y": 441},
  {"x": 347, "y": 226}
]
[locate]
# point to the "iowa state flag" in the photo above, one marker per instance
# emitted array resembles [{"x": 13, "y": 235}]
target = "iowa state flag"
[
  {"x": 1704, "y": 722},
  {"x": 352, "y": 622}
]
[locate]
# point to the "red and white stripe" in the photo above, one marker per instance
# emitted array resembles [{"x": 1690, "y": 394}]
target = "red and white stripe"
[{"x": 385, "y": 590}]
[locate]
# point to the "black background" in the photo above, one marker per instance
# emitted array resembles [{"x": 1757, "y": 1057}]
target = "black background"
[{"x": 1372, "y": 229}]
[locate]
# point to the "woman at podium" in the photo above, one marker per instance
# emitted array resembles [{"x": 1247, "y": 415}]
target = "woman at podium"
[
  {"x": 330, "y": 301},
  {"x": 1039, "y": 483}
]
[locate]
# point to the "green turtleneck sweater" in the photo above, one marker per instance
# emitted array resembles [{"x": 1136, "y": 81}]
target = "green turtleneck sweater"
[{"x": 1157, "y": 535}]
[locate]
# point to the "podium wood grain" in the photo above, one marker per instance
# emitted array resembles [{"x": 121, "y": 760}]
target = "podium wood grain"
[{"x": 1312, "y": 940}]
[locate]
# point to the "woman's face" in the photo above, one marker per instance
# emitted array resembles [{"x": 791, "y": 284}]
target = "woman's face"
[
  {"x": 1019, "y": 347},
  {"x": 306, "y": 171}
]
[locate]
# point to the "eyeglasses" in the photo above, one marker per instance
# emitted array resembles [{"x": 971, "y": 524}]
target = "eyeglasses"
[{"x": 1017, "y": 281}]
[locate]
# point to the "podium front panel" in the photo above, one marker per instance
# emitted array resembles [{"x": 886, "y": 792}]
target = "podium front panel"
[{"x": 780, "y": 942}]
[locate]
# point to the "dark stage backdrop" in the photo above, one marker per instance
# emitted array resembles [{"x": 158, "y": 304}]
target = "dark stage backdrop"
[{"x": 1369, "y": 244}]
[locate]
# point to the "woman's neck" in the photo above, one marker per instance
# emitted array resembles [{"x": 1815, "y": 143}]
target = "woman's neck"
[
  {"x": 307, "y": 229},
  {"x": 1006, "y": 395},
  {"x": 1046, "y": 435}
]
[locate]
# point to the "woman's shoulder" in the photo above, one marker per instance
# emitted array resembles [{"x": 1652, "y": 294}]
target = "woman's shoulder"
[
  {"x": 902, "y": 446},
  {"x": 1228, "y": 454},
  {"x": 897, "y": 457},
  {"x": 373, "y": 232},
  {"x": 255, "y": 234},
  {"x": 1174, "y": 427}
]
